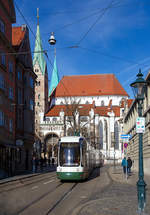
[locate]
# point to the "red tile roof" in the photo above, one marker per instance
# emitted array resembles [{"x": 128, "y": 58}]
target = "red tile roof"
[
  {"x": 89, "y": 85},
  {"x": 83, "y": 110},
  {"x": 17, "y": 35}
]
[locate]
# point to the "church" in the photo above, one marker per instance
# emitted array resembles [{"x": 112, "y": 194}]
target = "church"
[{"x": 88, "y": 105}]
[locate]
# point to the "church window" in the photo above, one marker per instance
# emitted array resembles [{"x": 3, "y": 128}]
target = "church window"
[
  {"x": 102, "y": 103},
  {"x": 116, "y": 135},
  {"x": 101, "y": 135},
  {"x": 36, "y": 70},
  {"x": 54, "y": 119}
]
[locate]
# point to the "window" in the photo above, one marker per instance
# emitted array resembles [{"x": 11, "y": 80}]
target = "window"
[
  {"x": 36, "y": 70},
  {"x": 31, "y": 82},
  {"x": 1, "y": 118},
  {"x": 19, "y": 75},
  {"x": 102, "y": 103},
  {"x": 54, "y": 119},
  {"x": 116, "y": 135},
  {"x": 10, "y": 67},
  {"x": 19, "y": 96},
  {"x": 2, "y": 82},
  {"x": 10, "y": 125},
  {"x": 101, "y": 134},
  {"x": 39, "y": 96},
  {"x": 3, "y": 59},
  {"x": 31, "y": 104},
  {"x": 2, "y": 26},
  {"x": 11, "y": 93}
]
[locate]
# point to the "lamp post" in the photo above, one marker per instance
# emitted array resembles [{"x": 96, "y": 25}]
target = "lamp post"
[{"x": 139, "y": 88}]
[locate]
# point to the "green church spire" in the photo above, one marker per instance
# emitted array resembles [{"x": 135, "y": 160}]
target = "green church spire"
[
  {"x": 38, "y": 50},
  {"x": 54, "y": 79}
]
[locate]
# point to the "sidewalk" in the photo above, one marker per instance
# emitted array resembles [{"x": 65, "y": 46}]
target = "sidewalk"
[
  {"x": 28, "y": 174},
  {"x": 119, "y": 198}
]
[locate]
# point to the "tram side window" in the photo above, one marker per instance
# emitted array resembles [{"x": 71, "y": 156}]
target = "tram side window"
[{"x": 84, "y": 158}]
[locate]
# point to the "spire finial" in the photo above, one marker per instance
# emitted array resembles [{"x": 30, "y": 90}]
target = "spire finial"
[{"x": 38, "y": 16}]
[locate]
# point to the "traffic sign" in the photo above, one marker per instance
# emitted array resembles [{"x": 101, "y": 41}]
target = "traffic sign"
[
  {"x": 125, "y": 145},
  {"x": 125, "y": 136}
]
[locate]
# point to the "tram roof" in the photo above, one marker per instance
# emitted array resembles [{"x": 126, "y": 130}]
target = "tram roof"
[{"x": 70, "y": 139}]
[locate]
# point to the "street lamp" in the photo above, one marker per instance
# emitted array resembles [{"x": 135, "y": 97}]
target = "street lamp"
[{"x": 139, "y": 88}]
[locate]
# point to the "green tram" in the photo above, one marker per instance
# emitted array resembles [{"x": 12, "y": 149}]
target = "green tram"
[{"x": 76, "y": 158}]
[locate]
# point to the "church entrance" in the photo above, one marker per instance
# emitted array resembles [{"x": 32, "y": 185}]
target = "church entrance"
[{"x": 51, "y": 143}]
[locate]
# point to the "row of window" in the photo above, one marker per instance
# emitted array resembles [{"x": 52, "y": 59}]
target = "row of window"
[
  {"x": 3, "y": 121},
  {"x": 2, "y": 26}
]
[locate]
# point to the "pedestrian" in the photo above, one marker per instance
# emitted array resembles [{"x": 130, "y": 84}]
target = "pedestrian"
[
  {"x": 33, "y": 164},
  {"x": 53, "y": 161},
  {"x": 49, "y": 161},
  {"x": 41, "y": 163},
  {"x": 124, "y": 165},
  {"x": 129, "y": 165}
]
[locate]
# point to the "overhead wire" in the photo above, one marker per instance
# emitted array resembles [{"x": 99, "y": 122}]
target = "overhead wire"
[
  {"x": 31, "y": 30},
  {"x": 99, "y": 17}
]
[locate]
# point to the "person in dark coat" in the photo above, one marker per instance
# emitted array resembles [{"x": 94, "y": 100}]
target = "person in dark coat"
[{"x": 129, "y": 165}]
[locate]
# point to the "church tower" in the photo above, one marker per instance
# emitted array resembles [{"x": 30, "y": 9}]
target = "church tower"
[{"x": 41, "y": 86}]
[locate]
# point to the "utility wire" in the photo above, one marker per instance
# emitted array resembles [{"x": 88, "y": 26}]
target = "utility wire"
[
  {"x": 31, "y": 31},
  {"x": 22, "y": 53},
  {"x": 99, "y": 17},
  {"x": 112, "y": 56}
]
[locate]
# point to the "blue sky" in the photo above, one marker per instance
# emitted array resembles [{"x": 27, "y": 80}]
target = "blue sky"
[{"x": 113, "y": 40}]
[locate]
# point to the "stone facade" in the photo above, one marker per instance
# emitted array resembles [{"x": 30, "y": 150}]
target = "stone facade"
[{"x": 130, "y": 128}]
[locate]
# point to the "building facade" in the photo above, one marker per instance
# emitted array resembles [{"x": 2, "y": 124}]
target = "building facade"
[
  {"x": 16, "y": 136},
  {"x": 24, "y": 87},
  {"x": 130, "y": 128},
  {"x": 90, "y": 105},
  {"x": 7, "y": 87}
]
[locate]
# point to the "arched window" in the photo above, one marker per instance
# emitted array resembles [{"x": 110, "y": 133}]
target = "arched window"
[
  {"x": 116, "y": 135},
  {"x": 102, "y": 103},
  {"x": 101, "y": 134}
]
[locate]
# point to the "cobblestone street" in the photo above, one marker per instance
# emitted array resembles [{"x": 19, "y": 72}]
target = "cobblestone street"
[{"x": 119, "y": 198}]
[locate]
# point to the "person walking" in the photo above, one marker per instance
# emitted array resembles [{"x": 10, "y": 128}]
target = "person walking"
[
  {"x": 129, "y": 165},
  {"x": 124, "y": 165}
]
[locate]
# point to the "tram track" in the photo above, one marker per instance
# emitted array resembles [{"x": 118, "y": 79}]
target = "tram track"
[
  {"x": 63, "y": 197},
  {"x": 23, "y": 182},
  {"x": 38, "y": 199}
]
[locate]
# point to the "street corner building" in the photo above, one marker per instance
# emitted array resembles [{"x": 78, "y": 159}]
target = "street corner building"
[
  {"x": 89, "y": 105},
  {"x": 16, "y": 94}
]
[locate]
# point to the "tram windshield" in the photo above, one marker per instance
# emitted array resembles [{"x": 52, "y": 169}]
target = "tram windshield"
[{"x": 69, "y": 154}]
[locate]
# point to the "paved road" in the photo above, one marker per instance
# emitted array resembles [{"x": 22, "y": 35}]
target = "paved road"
[{"x": 106, "y": 192}]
